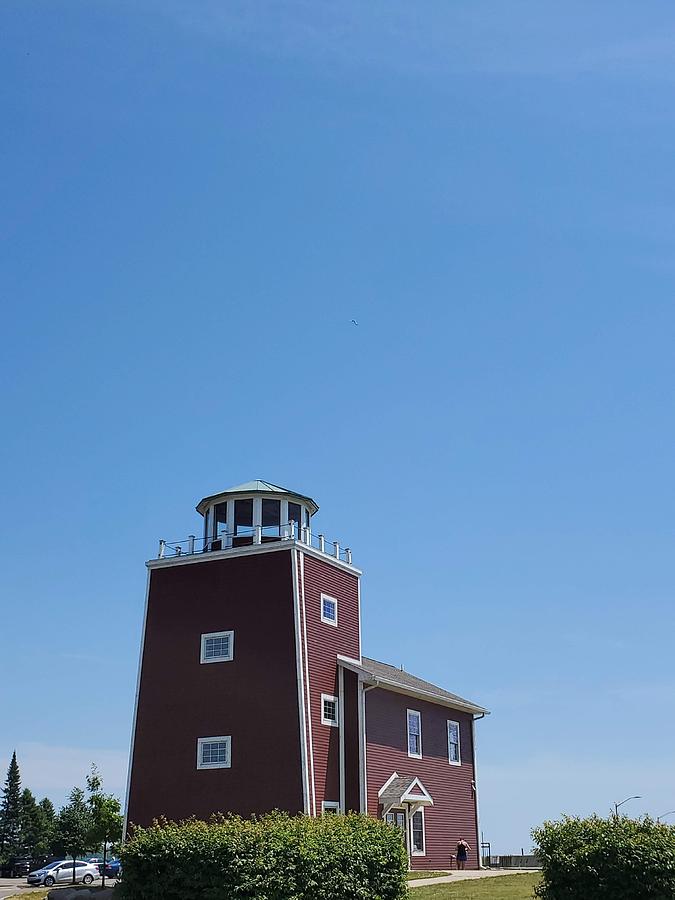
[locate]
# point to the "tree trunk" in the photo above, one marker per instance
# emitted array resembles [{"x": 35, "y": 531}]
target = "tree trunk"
[
  {"x": 74, "y": 858},
  {"x": 105, "y": 850}
]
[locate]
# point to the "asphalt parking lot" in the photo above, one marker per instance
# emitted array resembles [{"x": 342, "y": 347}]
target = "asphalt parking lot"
[{"x": 9, "y": 886}]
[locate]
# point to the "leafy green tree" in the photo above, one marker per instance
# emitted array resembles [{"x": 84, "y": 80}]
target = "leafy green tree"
[
  {"x": 10, "y": 812},
  {"x": 74, "y": 826},
  {"x": 106, "y": 814}
]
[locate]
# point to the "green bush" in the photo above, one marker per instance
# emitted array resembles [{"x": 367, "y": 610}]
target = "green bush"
[
  {"x": 276, "y": 857},
  {"x": 606, "y": 859}
]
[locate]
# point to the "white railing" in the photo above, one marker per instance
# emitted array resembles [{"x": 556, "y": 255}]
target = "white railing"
[{"x": 258, "y": 534}]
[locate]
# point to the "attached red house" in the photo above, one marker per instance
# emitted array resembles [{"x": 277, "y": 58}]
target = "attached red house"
[{"x": 253, "y": 693}]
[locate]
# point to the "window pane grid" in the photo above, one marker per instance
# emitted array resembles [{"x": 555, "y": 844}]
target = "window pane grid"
[
  {"x": 414, "y": 734},
  {"x": 215, "y": 752},
  {"x": 219, "y": 646},
  {"x": 453, "y": 742},
  {"x": 329, "y": 609}
]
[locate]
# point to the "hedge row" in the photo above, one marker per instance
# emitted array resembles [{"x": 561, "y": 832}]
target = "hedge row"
[
  {"x": 276, "y": 857},
  {"x": 606, "y": 859}
]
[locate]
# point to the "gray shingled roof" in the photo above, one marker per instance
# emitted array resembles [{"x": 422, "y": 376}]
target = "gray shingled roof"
[
  {"x": 404, "y": 680},
  {"x": 257, "y": 487},
  {"x": 395, "y": 790}
]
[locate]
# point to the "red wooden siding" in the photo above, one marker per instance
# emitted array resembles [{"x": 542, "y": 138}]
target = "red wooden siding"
[
  {"x": 453, "y": 814},
  {"x": 254, "y": 698},
  {"x": 352, "y": 744},
  {"x": 324, "y": 643}
]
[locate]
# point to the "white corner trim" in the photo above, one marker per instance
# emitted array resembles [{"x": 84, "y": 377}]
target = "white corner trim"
[
  {"x": 302, "y": 712},
  {"x": 361, "y": 701},
  {"x": 301, "y": 564},
  {"x": 341, "y": 722}
]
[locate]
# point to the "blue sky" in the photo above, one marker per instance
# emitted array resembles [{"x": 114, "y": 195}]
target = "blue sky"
[{"x": 197, "y": 198}]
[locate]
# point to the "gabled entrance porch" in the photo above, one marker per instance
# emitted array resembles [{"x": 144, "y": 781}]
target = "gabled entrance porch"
[{"x": 403, "y": 799}]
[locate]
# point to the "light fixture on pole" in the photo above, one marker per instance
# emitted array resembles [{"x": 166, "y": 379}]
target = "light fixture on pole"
[{"x": 617, "y": 805}]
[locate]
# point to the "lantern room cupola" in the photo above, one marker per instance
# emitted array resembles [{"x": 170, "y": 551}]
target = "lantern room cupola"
[{"x": 255, "y": 512}]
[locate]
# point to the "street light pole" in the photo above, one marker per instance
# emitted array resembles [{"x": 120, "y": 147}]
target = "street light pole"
[
  {"x": 617, "y": 805},
  {"x": 663, "y": 815}
]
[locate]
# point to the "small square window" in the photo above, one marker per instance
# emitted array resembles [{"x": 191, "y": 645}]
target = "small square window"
[
  {"x": 329, "y": 611},
  {"x": 217, "y": 646},
  {"x": 214, "y": 752},
  {"x": 330, "y": 807},
  {"x": 329, "y": 710}
]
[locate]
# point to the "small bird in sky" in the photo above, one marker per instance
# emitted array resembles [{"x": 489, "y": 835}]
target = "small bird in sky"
[{"x": 354, "y": 322}]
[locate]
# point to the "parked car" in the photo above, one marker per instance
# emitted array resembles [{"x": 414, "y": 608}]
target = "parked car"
[
  {"x": 61, "y": 872},
  {"x": 113, "y": 868},
  {"x": 16, "y": 867}
]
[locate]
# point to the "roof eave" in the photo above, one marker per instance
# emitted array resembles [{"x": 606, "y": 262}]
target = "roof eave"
[
  {"x": 207, "y": 501},
  {"x": 432, "y": 697}
]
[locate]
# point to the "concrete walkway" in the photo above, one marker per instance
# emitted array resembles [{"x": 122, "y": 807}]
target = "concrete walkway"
[{"x": 467, "y": 875}]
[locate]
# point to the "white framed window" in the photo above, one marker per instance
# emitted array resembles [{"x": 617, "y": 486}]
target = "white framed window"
[
  {"x": 329, "y": 610},
  {"x": 214, "y": 752},
  {"x": 217, "y": 646},
  {"x": 454, "y": 751},
  {"x": 417, "y": 836},
  {"x": 330, "y": 807},
  {"x": 414, "y": 733},
  {"x": 329, "y": 710}
]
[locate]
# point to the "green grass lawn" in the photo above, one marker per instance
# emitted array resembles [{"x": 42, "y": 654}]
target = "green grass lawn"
[{"x": 506, "y": 887}]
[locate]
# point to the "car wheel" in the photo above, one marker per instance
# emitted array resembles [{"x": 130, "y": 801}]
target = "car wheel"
[
  {"x": 87, "y": 879},
  {"x": 49, "y": 881}
]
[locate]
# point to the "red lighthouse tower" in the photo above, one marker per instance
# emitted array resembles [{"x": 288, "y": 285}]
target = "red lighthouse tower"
[
  {"x": 253, "y": 693},
  {"x": 240, "y": 701}
]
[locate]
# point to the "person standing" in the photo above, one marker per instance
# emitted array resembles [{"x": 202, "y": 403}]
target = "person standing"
[{"x": 462, "y": 853}]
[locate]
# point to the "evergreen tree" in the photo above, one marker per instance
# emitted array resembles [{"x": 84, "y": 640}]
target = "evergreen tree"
[
  {"x": 37, "y": 823},
  {"x": 48, "y": 814},
  {"x": 10, "y": 812}
]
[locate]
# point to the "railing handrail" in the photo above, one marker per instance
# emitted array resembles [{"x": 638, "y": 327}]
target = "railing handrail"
[{"x": 192, "y": 544}]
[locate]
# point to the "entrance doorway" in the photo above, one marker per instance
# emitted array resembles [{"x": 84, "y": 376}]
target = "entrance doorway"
[{"x": 397, "y": 817}]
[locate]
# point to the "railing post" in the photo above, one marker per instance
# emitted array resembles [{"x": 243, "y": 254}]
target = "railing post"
[
  {"x": 336, "y": 549},
  {"x": 322, "y": 543},
  {"x": 162, "y": 549},
  {"x": 292, "y": 524},
  {"x": 257, "y": 534},
  {"x": 348, "y": 554},
  {"x": 191, "y": 543}
]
